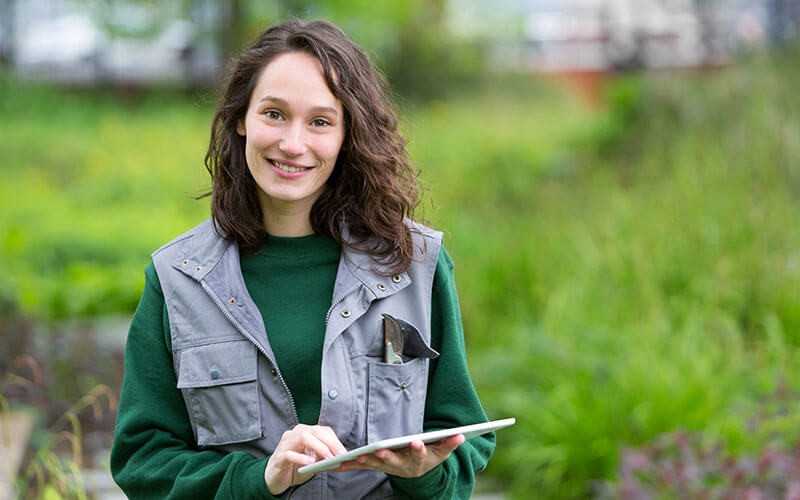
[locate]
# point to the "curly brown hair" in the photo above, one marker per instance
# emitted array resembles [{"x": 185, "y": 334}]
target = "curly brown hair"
[{"x": 373, "y": 187}]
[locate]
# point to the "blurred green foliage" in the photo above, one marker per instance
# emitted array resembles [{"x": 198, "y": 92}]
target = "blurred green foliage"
[
  {"x": 408, "y": 40},
  {"x": 650, "y": 286},
  {"x": 91, "y": 184},
  {"x": 623, "y": 273}
]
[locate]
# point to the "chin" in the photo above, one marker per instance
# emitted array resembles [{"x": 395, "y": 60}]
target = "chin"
[{"x": 289, "y": 196}]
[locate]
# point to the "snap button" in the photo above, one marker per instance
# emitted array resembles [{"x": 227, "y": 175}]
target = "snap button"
[
  {"x": 274, "y": 372},
  {"x": 333, "y": 394},
  {"x": 214, "y": 374},
  {"x": 185, "y": 262},
  {"x": 403, "y": 385},
  {"x": 198, "y": 268},
  {"x": 346, "y": 313},
  {"x": 381, "y": 287},
  {"x": 396, "y": 278},
  {"x": 232, "y": 300}
]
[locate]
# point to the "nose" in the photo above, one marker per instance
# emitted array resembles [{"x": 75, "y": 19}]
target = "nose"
[{"x": 293, "y": 142}]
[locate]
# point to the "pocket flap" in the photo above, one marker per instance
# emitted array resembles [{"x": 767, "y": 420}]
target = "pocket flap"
[{"x": 217, "y": 364}]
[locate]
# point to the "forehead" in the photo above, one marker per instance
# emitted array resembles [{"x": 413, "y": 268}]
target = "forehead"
[{"x": 296, "y": 77}]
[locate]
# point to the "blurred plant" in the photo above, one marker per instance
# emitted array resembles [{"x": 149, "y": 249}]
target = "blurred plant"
[
  {"x": 83, "y": 210},
  {"x": 427, "y": 62},
  {"x": 53, "y": 470},
  {"x": 627, "y": 102},
  {"x": 682, "y": 465},
  {"x": 409, "y": 40},
  {"x": 649, "y": 288},
  {"x": 695, "y": 465}
]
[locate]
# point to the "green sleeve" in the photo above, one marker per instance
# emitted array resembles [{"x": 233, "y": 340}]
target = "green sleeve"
[
  {"x": 452, "y": 400},
  {"x": 154, "y": 454}
]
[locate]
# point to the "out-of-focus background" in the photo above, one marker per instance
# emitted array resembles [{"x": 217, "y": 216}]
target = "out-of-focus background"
[{"x": 618, "y": 182}]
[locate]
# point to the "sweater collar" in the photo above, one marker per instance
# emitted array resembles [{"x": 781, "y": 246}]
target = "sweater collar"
[{"x": 204, "y": 248}]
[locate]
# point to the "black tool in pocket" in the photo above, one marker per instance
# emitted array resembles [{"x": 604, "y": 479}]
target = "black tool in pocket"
[{"x": 402, "y": 342}]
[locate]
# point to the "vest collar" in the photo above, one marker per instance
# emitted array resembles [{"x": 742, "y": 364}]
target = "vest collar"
[
  {"x": 374, "y": 276},
  {"x": 204, "y": 247},
  {"x": 201, "y": 250}
]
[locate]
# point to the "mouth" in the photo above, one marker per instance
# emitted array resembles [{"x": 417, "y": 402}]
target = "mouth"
[{"x": 288, "y": 168}]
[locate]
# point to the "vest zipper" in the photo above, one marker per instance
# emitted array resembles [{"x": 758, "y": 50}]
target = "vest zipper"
[
  {"x": 328, "y": 314},
  {"x": 330, "y": 309},
  {"x": 258, "y": 346}
]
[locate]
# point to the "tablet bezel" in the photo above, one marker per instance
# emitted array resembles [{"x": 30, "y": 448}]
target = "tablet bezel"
[{"x": 469, "y": 431}]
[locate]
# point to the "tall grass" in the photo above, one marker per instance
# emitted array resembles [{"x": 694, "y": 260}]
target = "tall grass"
[
  {"x": 91, "y": 184},
  {"x": 55, "y": 455},
  {"x": 636, "y": 286}
]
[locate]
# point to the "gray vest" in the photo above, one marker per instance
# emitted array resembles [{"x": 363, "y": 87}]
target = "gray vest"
[{"x": 235, "y": 395}]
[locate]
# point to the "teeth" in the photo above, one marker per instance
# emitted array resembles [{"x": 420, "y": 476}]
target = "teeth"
[{"x": 287, "y": 168}]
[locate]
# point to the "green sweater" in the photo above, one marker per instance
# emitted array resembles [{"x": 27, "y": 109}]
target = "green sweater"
[{"x": 291, "y": 281}]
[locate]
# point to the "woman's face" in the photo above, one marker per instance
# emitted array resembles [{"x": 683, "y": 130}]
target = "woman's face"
[{"x": 294, "y": 128}]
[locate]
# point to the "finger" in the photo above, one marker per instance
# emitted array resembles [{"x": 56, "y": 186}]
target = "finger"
[
  {"x": 446, "y": 446},
  {"x": 327, "y": 436},
  {"x": 350, "y": 465},
  {"x": 371, "y": 461},
  {"x": 418, "y": 450},
  {"x": 393, "y": 459},
  {"x": 309, "y": 441},
  {"x": 449, "y": 444},
  {"x": 298, "y": 458}
]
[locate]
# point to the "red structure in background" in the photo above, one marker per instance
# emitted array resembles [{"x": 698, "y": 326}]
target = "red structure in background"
[{"x": 589, "y": 86}]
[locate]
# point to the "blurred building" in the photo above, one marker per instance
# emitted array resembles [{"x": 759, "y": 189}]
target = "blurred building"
[
  {"x": 87, "y": 42},
  {"x": 138, "y": 41},
  {"x": 603, "y": 35}
]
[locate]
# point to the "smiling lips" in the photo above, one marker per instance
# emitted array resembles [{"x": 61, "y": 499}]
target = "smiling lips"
[{"x": 287, "y": 170}]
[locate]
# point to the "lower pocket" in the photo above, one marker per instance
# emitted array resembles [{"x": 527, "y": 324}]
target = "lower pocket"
[
  {"x": 220, "y": 387},
  {"x": 396, "y": 399}
]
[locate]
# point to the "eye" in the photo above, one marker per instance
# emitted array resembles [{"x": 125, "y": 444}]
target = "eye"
[
  {"x": 273, "y": 114},
  {"x": 320, "y": 122}
]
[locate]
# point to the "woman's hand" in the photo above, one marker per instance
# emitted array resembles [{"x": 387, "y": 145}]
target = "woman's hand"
[
  {"x": 413, "y": 461},
  {"x": 303, "y": 445}
]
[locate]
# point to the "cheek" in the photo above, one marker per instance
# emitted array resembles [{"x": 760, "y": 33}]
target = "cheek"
[
  {"x": 329, "y": 148},
  {"x": 259, "y": 136}
]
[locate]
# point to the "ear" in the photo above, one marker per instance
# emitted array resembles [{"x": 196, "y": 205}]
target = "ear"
[{"x": 240, "y": 128}]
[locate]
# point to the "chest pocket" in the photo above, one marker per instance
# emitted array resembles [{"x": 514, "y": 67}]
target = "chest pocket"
[
  {"x": 396, "y": 399},
  {"x": 220, "y": 387}
]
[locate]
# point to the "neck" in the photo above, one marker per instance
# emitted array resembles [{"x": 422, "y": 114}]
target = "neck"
[{"x": 287, "y": 219}]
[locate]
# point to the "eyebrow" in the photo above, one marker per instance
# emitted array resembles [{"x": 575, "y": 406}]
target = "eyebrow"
[{"x": 283, "y": 102}]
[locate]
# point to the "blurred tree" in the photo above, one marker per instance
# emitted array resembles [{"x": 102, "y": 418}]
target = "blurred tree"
[
  {"x": 428, "y": 62},
  {"x": 295, "y": 8},
  {"x": 408, "y": 39},
  {"x": 231, "y": 27},
  {"x": 411, "y": 43},
  {"x": 710, "y": 37},
  {"x": 6, "y": 31}
]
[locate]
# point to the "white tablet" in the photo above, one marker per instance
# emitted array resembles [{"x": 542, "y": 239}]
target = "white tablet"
[{"x": 469, "y": 431}]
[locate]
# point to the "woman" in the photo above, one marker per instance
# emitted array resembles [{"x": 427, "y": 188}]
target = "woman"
[{"x": 239, "y": 367}]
